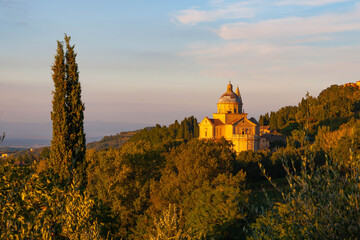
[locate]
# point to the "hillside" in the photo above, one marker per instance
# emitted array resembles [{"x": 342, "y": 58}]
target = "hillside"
[
  {"x": 336, "y": 105},
  {"x": 136, "y": 180},
  {"x": 156, "y": 136},
  {"x": 34, "y": 135},
  {"x": 112, "y": 141}
]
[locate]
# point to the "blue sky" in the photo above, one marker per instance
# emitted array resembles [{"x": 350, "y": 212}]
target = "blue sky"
[{"x": 157, "y": 61}]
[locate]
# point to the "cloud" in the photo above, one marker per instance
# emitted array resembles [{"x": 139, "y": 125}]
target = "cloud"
[
  {"x": 292, "y": 27},
  {"x": 232, "y": 11},
  {"x": 282, "y": 50},
  {"x": 310, "y": 2}
]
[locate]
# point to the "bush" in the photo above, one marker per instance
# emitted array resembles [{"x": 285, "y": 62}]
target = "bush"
[
  {"x": 322, "y": 202},
  {"x": 34, "y": 206}
]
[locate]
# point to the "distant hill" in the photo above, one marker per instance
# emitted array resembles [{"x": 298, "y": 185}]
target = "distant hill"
[
  {"x": 156, "y": 136},
  {"x": 113, "y": 141},
  {"x": 22, "y": 134}
]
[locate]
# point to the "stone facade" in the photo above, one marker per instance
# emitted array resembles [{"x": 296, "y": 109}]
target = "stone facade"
[{"x": 231, "y": 123}]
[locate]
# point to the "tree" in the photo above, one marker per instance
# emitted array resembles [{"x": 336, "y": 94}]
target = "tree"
[
  {"x": 217, "y": 208},
  {"x": 68, "y": 142},
  {"x": 59, "y": 156},
  {"x": 264, "y": 120},
  {"x": 321, "y": 203},
  {"x": 76, "y": 109},
  {"x": 273, "y": 121},
  {"x": 169, "y": 225},
  {"x": 198, "y": 178},
  {"x": 35, "y": 206},
  {"x": 120, "y": 179}
]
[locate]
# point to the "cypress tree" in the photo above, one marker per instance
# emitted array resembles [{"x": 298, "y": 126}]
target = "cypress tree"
[
  {"x": 75, "y": 110},
  {"x": 68, "y": 142},
  {"x": 59, "y": 157},
  {"x": 261, "y": 120}
]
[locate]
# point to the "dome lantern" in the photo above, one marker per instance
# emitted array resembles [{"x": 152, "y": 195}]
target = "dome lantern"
[{"x": 229, "y": 87}]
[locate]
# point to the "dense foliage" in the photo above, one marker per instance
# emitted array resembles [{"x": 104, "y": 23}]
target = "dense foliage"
[
  {"x": 321, "y": 203},
  {"x": 137, "y": 183},
  {"x": 333, "y": 107},
  {"x": 199, "y": 177},
  {"x": 36, "y": 206},
  {"x": 159, "y": 135}
]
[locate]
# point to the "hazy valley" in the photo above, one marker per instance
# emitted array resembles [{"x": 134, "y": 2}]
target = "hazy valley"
[{"x": 32, "y": 135}]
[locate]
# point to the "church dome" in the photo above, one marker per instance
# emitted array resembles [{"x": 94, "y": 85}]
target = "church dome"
[{"x": 230, "y": 96}]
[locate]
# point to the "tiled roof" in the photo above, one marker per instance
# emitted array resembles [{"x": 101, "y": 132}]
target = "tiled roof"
[
  {"x": 216, "y": 121},
  {"x": 253, "y": 120},
  {"x": 236, "y": 120}
]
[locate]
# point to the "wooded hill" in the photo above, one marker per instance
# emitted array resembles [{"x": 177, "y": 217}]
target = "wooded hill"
[
  {"x": 158, "y": 135},
  {"x": 113, "y": 141},
  {"x": 333, "y": 107}
]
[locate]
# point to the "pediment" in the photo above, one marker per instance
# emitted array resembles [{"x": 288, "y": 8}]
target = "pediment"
[
  {"x": 206, "y": 121},
  {"x": 243, "y": 122}
]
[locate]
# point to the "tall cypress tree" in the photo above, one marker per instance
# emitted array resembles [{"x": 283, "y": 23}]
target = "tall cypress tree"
[
  {"x": 59, "y": 156},
  {"x": 75, "y": 110},
  {"x": 68, "y": 142}
]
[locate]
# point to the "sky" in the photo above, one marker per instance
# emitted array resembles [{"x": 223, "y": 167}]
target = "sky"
[{"x": 157, "y": 61}]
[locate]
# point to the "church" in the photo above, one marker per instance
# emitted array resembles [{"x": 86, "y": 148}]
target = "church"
[{"x": 231, "y": 123}]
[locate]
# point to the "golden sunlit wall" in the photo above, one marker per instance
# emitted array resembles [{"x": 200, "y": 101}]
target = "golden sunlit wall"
[
  {"x": 229, "y": 108},
  {"x": 206, "y": 129}
]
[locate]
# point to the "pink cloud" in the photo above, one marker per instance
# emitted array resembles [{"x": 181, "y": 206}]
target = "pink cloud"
[
  {"x": 234, "y": 11},
  {"x": 292, "y": 27}
]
